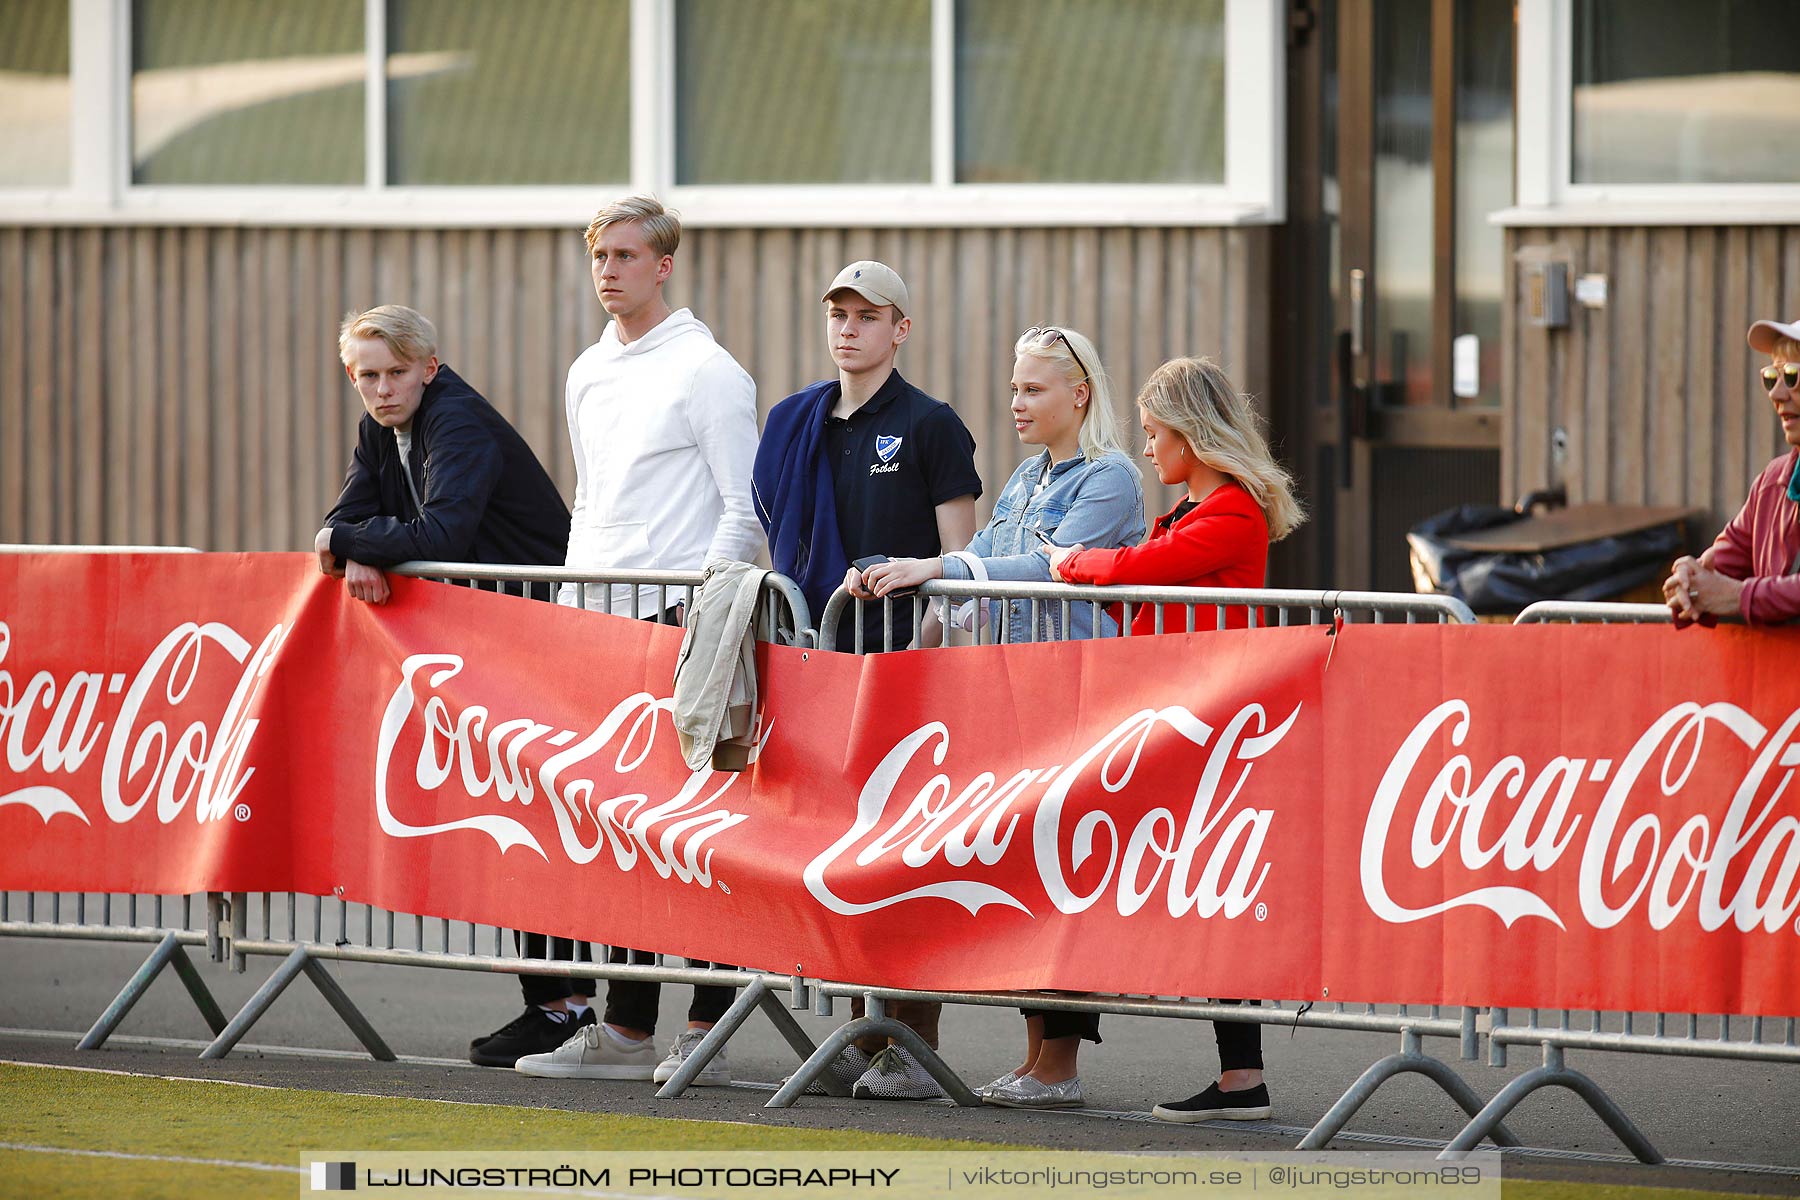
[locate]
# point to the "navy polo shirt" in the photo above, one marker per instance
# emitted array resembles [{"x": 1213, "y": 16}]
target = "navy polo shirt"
[{"x": 893, "y": 461}]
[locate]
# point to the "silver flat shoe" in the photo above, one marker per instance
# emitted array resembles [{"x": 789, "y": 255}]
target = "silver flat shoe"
[
  {"x": 1026, "y": 1092},
  {"x": 995, "y": 1084}
]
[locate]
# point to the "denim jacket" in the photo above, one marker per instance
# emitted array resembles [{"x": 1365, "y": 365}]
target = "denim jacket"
[{"x": 1098, "y": 503}]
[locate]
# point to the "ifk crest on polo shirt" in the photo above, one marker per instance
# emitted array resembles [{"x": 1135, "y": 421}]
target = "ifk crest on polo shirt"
[{"x": 886, "y": 446}]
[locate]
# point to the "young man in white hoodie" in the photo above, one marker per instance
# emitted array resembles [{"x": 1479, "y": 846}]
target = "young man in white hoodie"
[
  {"x": 662, "y": 421},
  {"x": 663, "y": 424}
]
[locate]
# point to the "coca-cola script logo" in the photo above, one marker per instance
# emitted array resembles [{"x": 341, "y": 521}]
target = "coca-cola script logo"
[
  {"x": 1205, "y": 854},
  {"x": 461, "y": 746},
  {"x": 1741, "y": 868},
  {"x": 53, "y": 726}
]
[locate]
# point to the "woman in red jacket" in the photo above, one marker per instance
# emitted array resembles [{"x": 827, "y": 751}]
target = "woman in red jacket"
[{"x": 1202, "y": 432}]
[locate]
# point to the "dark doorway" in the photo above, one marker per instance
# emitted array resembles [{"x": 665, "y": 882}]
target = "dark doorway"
[{"x": 1389, "y": 278}]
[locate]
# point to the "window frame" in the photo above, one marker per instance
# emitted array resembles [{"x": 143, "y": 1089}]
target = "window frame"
[
  {"x": 1545, "y": 185},
  {"x": 101, "y": 189}
]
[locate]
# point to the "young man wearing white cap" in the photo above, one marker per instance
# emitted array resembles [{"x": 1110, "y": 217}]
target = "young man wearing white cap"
[
  {"x": 863, "y": 464},
  {"x": 1751, "y": 567}
]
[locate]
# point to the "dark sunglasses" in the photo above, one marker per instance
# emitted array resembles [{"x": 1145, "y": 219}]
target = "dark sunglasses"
[
  {"x": 1048, "y": 335},
  {"x": 1788, "y": 373}
]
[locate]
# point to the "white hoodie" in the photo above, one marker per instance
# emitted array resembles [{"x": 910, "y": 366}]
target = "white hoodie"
[{"x": 664, "y": 434}]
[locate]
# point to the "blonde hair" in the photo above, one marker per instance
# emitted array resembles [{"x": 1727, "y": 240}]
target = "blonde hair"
[
  {"x": 1099, "y": 425},
  {"x": 407, "y": 333},
  {"x": 662, "y": 228},
  {"x": 1193, "y": 397},
  {"x": 1786, "y": 348}
]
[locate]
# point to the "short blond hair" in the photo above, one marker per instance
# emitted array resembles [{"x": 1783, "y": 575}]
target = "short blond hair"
[
  {"x": 1786, "y": 349},
  {"x": 1194, "y": 397},
  {"x": 662, "y": 228},
  {"x": 407, "y": 333}
]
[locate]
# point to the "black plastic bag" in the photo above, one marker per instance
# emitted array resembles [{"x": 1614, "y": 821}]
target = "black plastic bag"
[{"x": 1490, "y": 582}]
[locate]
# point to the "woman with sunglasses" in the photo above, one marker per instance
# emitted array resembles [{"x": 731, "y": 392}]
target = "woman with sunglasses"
[
  {"x": 1750, "y": 569},
  {"x": 1202, "y": 433},
  {"x": 1081, "y": 487}
]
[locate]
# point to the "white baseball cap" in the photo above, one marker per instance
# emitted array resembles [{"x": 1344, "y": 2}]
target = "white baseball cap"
[
  {"x": 875, "y": 282},
  {"x": 1764, "y": 334}
]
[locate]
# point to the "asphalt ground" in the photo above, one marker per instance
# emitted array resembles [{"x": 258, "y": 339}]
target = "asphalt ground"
[{"x": 1726, "y": 1126}]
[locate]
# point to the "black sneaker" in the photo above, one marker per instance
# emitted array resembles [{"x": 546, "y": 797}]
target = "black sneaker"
[
  {"x": 533, "y": 1031},
  {"x": 1251, "y": 1104}
]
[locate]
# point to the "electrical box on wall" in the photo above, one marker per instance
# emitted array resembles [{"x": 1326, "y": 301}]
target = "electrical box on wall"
[{"x": 1547, "y": 295}]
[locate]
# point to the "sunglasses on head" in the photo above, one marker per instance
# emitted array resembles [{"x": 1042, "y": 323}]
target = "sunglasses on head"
[
  {"x": 1047, "y": 336},
  {"x": 1786, "y": 373}
]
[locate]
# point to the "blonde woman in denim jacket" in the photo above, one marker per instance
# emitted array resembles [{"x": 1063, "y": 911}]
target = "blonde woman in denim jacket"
[{"x": 1081, "y": 489}]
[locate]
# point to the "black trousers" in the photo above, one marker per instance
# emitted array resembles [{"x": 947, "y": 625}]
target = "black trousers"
[
  {"x": 1059, "y": 1023},
  {"x": 1240, "y": 1042},
  {"x": 547, "y": 989},
  {"x": 632, "y": 1003}
]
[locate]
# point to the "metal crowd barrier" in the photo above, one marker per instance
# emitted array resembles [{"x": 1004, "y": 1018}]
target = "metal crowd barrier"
[
  {"x": 28, "y": 548},
  {"x": 1663, "y": 1033},
  {"x": 784, "y": 616},
  {"x": 318, "y": 929},
  {"x": 1577, "y": 612},
  {"x": 1177, "y": 608},
  {"x": 306, "y": 931},
  {"x": 172, "y": 923},
  {"x": 1036, "y": 601}
]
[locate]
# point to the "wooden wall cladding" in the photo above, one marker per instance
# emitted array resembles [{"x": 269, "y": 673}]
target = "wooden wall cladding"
[
  {"x": 180, "y": 386},
  {"x": 1656, "y": 390}
]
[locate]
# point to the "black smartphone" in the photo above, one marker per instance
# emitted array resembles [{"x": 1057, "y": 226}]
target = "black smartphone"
[{"x": 870, "y": 560}]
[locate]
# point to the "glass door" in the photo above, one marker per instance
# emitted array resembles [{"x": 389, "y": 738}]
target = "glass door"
[{"x": 1421, "y": 93}]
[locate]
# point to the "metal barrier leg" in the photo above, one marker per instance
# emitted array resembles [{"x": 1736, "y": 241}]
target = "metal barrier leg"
[
  {"x": 168, "y": 952},
  {"x": 757, "y": 995},
  {"x": 347, "y": 1011},
  {"x": 1552, "y": 1074},
  {"x": 1410, "y": 1060},
  {"x": 814, "y": 1068},
  {"x": 298, "y": 963}
]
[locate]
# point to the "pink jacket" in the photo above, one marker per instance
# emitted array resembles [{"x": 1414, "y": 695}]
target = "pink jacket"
[{"x": 1761, "y": 545}]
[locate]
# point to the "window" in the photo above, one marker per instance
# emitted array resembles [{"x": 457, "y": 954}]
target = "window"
[
  {"x": 1648, "y": 112},
  {"x": 853, "y": 102},
  {"x": 1674, "y": 91},
  {"x": 34, "y": 93},
  {"x": 1090, "y": 91},
  {"x": 236, "y": 93},
  {"x": 522, "y": 93},
  {"x": 737, "y": 112}
]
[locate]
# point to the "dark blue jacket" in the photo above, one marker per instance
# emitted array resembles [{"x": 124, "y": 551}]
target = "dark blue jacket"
[
  {"x": 487, "y": 498},
  {"x": 794, "y": 495}
]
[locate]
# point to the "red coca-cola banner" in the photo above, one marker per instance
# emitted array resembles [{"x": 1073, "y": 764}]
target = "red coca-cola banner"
[{"x": 1553, "y": 816}]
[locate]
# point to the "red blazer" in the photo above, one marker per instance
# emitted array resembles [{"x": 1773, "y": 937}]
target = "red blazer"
[{"x": 1222, "y": 542}]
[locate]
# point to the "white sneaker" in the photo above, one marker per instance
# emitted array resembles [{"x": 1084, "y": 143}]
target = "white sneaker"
[
  {"x": 894, "y": 1074},
  {"x": 593, "y": 1054},
  {"x": 716, "y": 1073},
  {"x": 846, "y": 1068}
]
